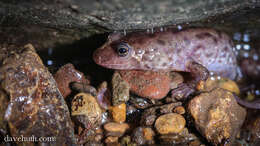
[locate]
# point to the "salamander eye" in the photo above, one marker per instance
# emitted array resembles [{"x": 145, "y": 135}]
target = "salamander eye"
[{"x": 123, "y": 50}]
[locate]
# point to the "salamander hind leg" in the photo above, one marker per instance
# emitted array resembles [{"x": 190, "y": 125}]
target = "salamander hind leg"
[{"x": 198, "y": 73}]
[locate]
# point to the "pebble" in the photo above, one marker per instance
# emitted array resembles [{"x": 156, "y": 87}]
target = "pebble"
[
  {"x": 66, "y": 75},
  {"x": 183, "y": 138},
  {"x": 223, "y": 83},
  {"x": 86, "y": 109},
  {"x": 170, "y": 123},
  {"x": 120, "y": 89},
  {"x": 179, "y": 110},
  {"x": 148, "y": 84},
  {"x": 118, "y": 113},
  {"x": 217, "y": 115},
  {"x": 116, "y": 129},
  {"x": 111, "y": 139},
  {"x": 148, "y": 134},
  {"x": 149, "y": 115}
]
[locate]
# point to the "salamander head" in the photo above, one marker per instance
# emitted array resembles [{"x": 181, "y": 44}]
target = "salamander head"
[{"x": 116, "y": 53}]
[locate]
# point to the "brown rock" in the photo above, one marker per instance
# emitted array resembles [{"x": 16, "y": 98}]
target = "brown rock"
[
  {"x": 179, "y": 110},
  {"x": 66, "y": 75},
  {"x": 111, "y": 139},
  {"x": 148, "y": 134},
  {"x": 182, "y": 138},
  {"x": 170, "y": 123},
  {"x": 119, "y": 113},
  {"x": 115, "y": 129},
  {"x": 36, "y": 106},
  {"x": 86, "y": 109},
  {"x": 3, "y": 107},
  {"x": 217, "y": 115},
  {"x": 149, "y": 115},
  {"x": 220, "y": 82},
  {"x": 155, "y": 85},
  {"x": 120, "y": 90}
]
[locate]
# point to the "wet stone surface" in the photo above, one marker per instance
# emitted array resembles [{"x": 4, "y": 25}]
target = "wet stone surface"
[
  {"x": 36, "y": 106},
  {"x": 170, "y": 123},
  {"x": 66, "y": 75},
  {"x": 86, "y": 110},
  {"x": 217, "y": 115},
  {"x": 149, "y": 115},
  {"x": 115, "y": 129}
]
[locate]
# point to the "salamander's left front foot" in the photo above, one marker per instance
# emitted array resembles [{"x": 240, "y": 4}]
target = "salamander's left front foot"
[{"x": 198, "y": 71}]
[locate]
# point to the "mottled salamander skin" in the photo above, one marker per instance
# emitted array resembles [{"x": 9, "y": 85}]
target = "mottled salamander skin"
[{"x": 170, "y": 50}]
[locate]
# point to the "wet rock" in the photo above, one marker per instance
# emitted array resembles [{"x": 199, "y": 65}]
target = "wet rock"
[
  {"x": 179, "y": 110},
  {"x": 142, "y": 136},
  {"x": 149, "y": 115},
  {"x": 118, "y": 112},
  {"x": 140, "y": 103},
  {"x": 103, "y": 95},
  {"x": 86, "y": 110},
  {"x": 149, "y": 84},
  {"x": 66, "y": 75},
  {"x": 3, "y": 107},
  {"x": 82, "y": 87},
  {"x": 182, "y": 138},
  {"x": 115, "y": 129},
  {"x": 111, "y": 139},
  {"x": 217, "y": 115},
  {"x": 120, "y": 90},
  {"x": 220, "y": 82},
  {"x": 36, "y": 106},
  {"x": 170, "y": 123},
  {"x": 195, "y": 143}
]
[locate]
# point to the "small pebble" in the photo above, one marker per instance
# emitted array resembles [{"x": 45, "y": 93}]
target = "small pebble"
[
  {"x": 170, "y": 123},
  {"x": 223, "y": 83},
  {"x": 111, "y": 139},
  {"x": 148, "y": 133},
  {"x": 179, "y": 110},
  {"x": 118, "y": 112},
  {"x": 85, "y": 107},
  {"x": 116, "y": 129}
]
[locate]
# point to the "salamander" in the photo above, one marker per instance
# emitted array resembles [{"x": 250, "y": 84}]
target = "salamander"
[
  {"x": 169, "y": 50},
  {"x": 172, "y": 50}
]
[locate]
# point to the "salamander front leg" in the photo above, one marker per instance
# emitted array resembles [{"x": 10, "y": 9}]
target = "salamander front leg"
[{"x": 198, "y": 71}]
